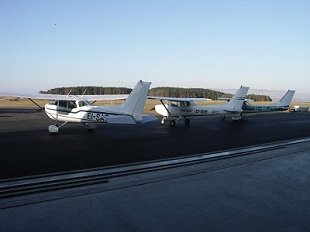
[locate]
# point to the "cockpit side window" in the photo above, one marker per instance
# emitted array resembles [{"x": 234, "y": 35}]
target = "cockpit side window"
[
  {"x": 67, "y": 104},
  {"x": 62, "y": 103},
  {"x": 175, "y": 104},
  {"x": 72, "y": 104},
  {"x": 185, "y": 103}
]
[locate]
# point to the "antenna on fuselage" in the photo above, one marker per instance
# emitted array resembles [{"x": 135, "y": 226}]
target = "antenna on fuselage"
[
  {"x": 84, "y": 92},
  {"x": 69, "y": 93}
]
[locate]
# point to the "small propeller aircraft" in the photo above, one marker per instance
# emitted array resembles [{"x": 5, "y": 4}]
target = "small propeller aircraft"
[
  {"x": 176, "y": 108},
  {"x": 282, "y": 105},
  {"x": 70, "y": 108}
]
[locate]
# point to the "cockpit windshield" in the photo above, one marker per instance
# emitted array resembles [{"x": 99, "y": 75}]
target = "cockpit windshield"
[
  {"x": 84, "y": 103},
  {"x": 246, "y": 103}
]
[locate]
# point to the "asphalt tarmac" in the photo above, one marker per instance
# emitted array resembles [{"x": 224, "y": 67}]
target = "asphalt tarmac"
[{"x": 28, "y": 149}]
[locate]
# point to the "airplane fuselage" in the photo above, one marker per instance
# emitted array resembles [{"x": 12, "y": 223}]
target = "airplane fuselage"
[
  {"x": 78, "y": 109},
  {"x": 188, "y": 111},
  {"x": 263, "y": 108},
  {"x": 185, "y": 107},
  {"x": 75, "y": 111}
]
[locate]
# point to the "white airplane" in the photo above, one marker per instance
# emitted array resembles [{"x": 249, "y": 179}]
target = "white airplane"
[
  {"x": 282, "y": 105},
  {"x": 176, "y": 108},
  {"x": 70, "y": 108}
]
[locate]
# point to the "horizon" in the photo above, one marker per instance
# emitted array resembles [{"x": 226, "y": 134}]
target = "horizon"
[{"x": 275, "y": 94}]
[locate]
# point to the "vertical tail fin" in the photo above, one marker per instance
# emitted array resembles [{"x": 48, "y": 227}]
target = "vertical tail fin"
[
  {"x": 236, "y": 102},
  {"x": 287, "y": 98},
  {"x": 134, "y": 104}
]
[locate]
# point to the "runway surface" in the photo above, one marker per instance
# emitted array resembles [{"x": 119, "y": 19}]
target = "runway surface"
[
  {"x": 28, "y": 149},
  {"x": 262, "y": 188}
]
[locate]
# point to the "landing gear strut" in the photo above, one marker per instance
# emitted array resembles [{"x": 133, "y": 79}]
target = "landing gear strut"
[{"x": 238, "y": 117}]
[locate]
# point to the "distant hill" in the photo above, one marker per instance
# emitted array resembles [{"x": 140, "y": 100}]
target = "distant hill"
[{"x": 274, "y": 94}]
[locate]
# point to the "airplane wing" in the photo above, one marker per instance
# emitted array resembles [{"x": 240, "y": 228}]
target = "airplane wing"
[
  {"x": 178, "y": 99},
  {"x": 104, "y": 97},
  {"x": 63, "y": 97},
  {"x": 228, "y": 99}
]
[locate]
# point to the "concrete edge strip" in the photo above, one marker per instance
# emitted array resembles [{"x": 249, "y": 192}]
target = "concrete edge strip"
[{"x": 136, "y": 167}]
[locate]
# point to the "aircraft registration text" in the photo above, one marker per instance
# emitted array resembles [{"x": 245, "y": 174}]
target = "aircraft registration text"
[
  {"x": 201, "y": 111},
  {"x": 99, "y": 117}
]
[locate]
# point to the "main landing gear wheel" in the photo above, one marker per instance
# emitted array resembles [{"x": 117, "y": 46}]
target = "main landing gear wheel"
[
  {"x": 187, "y": 121},
  {"x": 223, "y": 117},
  {"x": 237, "y": 118},
  {"x": 172, "y": 123},
  {"x": 90, "y": 126}
]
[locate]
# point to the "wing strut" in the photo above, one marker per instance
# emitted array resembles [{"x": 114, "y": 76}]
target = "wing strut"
[
  {"x": 41, "y": 108},
  {"x": 165, "y": 106}
]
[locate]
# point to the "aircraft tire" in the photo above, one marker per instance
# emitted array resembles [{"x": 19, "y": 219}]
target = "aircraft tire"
[
  {"x": 172, "y": 123},
  {"x": 187, "y": 121},
  {"x": 223, "y": 117}
]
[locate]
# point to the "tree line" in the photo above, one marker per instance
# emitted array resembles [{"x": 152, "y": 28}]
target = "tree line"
[
  {"x": 185, "y": 92},
  {"x": 88, "y": 90},
  {"x": 157, "y": 91}
]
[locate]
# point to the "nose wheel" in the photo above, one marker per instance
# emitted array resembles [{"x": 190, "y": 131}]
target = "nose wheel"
[{"x": 53, "y": 129}]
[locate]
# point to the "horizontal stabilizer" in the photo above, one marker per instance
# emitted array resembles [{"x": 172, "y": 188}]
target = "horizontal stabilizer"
[
  {"x": 232, "y": 110},
  {"x": 148, "y": 118},
  {"x": 122, "y": 119}
]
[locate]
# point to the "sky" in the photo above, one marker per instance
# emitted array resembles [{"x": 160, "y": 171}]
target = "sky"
[{"x": 263, "y": 44}]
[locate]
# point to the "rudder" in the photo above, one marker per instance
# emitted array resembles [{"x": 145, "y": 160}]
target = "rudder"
[
  {"x": 135, "y": 102},
  {"x": 236, "y": 102},
  {"x": 287, "y": 98}
]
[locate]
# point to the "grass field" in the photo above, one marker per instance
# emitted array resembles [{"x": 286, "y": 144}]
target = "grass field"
[{"x": 25, "y": 103}]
